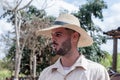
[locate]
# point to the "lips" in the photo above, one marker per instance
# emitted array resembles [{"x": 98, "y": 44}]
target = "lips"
[{"x": 54, "y": 45}]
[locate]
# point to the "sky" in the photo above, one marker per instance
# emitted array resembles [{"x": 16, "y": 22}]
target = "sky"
[{"x": 53, "y": 7}]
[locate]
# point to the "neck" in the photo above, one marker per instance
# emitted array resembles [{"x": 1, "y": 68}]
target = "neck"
[{"x": 69, "y": 59}]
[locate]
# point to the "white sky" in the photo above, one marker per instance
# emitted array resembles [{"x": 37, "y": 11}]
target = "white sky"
[{"x": 111, "y": 16}]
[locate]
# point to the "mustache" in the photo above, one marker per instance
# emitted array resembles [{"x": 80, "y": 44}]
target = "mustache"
[{"x": 54, "y": 43}]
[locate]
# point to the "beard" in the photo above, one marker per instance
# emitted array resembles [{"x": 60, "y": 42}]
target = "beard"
[{"x": 65, "y": 48}]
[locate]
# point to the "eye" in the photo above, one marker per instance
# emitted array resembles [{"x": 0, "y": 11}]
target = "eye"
[{"x": 58, "y": 34}]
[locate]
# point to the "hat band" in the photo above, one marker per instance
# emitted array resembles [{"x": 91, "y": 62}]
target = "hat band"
[{"x": 59, "y": 23}]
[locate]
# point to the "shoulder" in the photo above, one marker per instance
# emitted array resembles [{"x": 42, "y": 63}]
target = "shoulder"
[
  {"x": 45, "y": 73},
  {"x": 94, "y": 65},
  {"x": 47, "y": 70},
  {"x": 98, "y": 70}
]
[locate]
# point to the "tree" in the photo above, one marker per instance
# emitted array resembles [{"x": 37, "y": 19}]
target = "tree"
[
  {"x": 25, "y": 32},
  {"x": 15, "y": 11},
  {"x": 85, "y": 14},
  {"x": 38, "y": 46},
  {"x": 33, "y": 19}
]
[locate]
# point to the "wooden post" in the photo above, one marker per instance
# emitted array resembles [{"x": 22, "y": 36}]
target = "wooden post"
[
  {"x": 114, "y": 57},
  {"x": 116, "y": 35}
]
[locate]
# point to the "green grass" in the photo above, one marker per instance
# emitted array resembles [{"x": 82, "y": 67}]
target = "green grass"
[
  {"x": 4, "y": 73},
  {"x": 118, "y": 63},
  {"x": 107, "y": 61}
]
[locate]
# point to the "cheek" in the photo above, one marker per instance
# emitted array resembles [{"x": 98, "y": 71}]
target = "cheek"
[
  {"x": 60, "y": 40},
  {"x": 60, "y": 43}
]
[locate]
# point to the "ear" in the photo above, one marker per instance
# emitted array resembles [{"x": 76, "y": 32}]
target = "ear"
[{"x": 75, "y": 36}]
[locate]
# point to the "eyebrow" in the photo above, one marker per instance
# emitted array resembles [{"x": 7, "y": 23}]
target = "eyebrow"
[{"x": 57, "y": 33}]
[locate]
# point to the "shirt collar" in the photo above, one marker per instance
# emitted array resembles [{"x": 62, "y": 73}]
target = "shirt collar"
[{"x": 80, "y": 63}]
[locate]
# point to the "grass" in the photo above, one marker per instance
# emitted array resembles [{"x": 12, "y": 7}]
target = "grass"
[
  {"x": 4, "y": 73},
  {"x": 107, "y": 61}
]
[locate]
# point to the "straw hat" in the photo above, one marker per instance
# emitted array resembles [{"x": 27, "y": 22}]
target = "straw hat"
[{"x": 71, "y": 22}]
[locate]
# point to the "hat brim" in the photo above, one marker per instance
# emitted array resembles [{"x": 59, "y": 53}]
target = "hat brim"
[{"x": 84, "y": 40}]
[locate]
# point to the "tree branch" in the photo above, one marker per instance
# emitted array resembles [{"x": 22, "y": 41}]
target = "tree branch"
[
  {"x": 25, "y": 5},
  {"x": 17, "y": 5}
]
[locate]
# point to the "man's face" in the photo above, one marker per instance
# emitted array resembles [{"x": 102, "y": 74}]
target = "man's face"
[{"x": 61, "y": 41}]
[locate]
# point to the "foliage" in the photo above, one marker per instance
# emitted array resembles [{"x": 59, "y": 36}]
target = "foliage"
[
  {"x": 90, "y": 9},
  {"x": 4, "y": 70},
  {"x": 33, "y": 19},
  {"x": 43, "y": 58},
  {"x": 118, "y": 63},
  {"x": 1, "y": 65},
  {"x": 34, "y": 45},
  {"x": 107, "y": 61},
  {"x": 93, "y": 52},
  {"x": 4, "y": 73},
  {"x": 85, "y": 14}
]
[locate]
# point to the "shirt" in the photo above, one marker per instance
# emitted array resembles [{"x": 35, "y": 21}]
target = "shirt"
[{"x": 82, "y": 69}]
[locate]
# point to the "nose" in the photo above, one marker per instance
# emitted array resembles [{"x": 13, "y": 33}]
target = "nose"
[{"x": 53, "y": 38}]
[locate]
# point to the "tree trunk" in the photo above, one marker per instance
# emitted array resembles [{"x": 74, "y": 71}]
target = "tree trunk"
[
  {"x": 34, "y": 67},
  {"x": 31, "y": 63},
  {"x": 18, "y": 52}
]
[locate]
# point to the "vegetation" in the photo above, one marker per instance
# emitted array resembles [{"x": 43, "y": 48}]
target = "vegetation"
[
  {"x": 33, "y": 46},
  {"x": 107, "y": 61},
  {"x": 85, "y": 14},
  {"x": 118, "y": 63},
  {"x": 34, "y": 19},
  {"x": 4, "y": 73}
]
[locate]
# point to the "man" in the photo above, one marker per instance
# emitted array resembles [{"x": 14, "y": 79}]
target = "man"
[{"x": 67, "y": 35}]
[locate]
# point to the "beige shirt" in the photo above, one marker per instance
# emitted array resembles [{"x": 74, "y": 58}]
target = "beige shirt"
[{"x": 83, "y": 69}]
